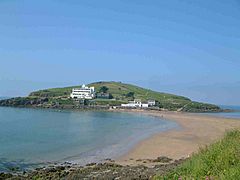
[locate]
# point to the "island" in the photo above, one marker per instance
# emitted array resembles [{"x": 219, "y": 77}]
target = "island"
[{"x": 109, "y": 95}]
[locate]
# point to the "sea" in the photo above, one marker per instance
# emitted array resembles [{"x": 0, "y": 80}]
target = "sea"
[
  {"x": 1, "y": 97},
  {"x": 31, "y": 138},
  {"x": 234, "y": 114}
]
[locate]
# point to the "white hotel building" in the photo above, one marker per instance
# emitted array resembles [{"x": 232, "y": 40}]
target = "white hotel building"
[
  {"x": 83, "y": 93},
  {"x": 135, "y": 104}
]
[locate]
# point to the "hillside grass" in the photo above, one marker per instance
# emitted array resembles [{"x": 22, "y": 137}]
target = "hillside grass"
[{"x": 220, "y": 160}]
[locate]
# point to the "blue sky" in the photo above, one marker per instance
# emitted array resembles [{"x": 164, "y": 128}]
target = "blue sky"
[{"x": 185, "y": 47}]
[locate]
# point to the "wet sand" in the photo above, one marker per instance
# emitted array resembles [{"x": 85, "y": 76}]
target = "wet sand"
[{"x": 196, "y": 131}]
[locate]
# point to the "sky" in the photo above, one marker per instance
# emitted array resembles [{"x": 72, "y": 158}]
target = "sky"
[{"x": 184, "y": 47}]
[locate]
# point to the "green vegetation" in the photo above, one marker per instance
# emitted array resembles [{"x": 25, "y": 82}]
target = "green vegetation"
[
  {"x": 54, "y": 92},
  {"x": 110, "y": 102},
  {"x": 122, "y": 93},
  {"x": 198, "y": 107},
  {"x": 218, "y": 161},
  {"x": 103, "y": 89},
  {"x": 130, "y": 95}
]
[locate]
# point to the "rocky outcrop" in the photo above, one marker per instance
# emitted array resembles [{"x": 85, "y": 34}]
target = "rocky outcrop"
[
  {"x": 100, "y": 171},
  {"x": 20, "y": 101}
]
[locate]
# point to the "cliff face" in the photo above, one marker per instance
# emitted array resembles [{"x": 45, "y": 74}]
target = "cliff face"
[{"x": 120, "y": 93}]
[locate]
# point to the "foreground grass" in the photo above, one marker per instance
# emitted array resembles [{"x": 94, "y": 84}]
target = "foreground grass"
[{"x": 218, "y": 161}]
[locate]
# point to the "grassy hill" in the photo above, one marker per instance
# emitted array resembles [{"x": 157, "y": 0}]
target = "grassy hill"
[{"x": 120, "y": 92}]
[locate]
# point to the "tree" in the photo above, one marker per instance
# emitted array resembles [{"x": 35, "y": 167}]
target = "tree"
[
  {"x": 110, "y": 96},
  {"x": 103, "y": 89},
  {"x": 130, "y": 95},
  {"x": 86, "y": 102}
]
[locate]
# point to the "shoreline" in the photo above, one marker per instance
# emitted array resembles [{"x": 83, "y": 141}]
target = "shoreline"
[
  {"x": 196, "y": 131},
  {"x": 157, "y": 154}
]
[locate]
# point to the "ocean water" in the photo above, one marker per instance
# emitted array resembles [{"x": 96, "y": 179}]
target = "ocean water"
[
  {"x": 235, "y": 114},
  {"x": 1, "y": 98},
  {"x": 34, "y": 137}
]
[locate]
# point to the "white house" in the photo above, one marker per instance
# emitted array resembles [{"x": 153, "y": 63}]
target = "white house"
[
  {"x": 134, "y": 104},
  {"x": 151, "y": 102},
  {"x": 145, "y": 105},
  {"x": 83, "y": 93}
]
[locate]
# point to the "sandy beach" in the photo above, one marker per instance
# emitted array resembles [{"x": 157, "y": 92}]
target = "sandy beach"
[{"x": 196, "y": 131}]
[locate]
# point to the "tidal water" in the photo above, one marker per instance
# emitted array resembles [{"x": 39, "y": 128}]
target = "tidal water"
[
  {"x": 34, "y": 137},
  {"x": 1, "y": 98},
  {"x": 235, "y": 114}
]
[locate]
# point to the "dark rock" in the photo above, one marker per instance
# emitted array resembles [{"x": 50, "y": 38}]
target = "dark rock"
[
  {"x": 162, "y": 159},
  {"x": 100, "y": 171},
  {"x": 5, "y": 176},
  {"x": 91, "y": 164}
]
